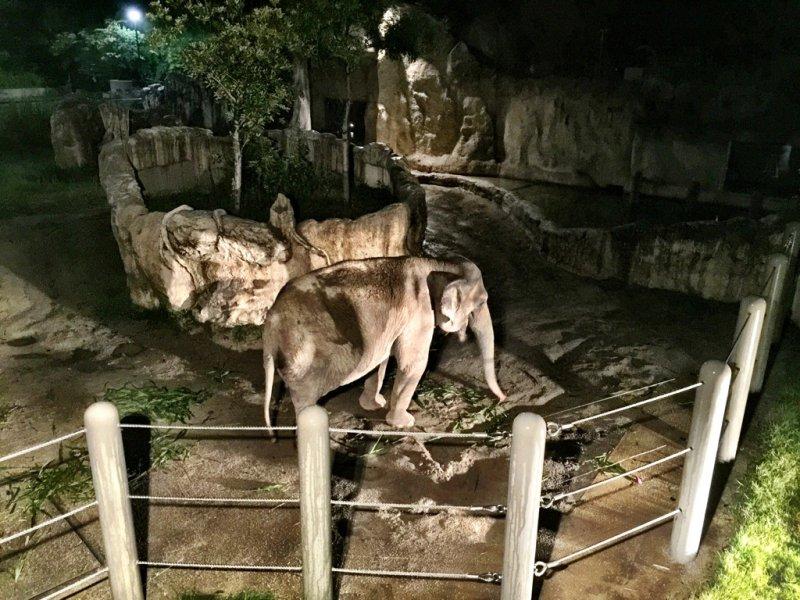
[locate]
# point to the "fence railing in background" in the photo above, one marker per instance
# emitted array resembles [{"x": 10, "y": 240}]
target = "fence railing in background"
[{"x": 741, "y": 359}]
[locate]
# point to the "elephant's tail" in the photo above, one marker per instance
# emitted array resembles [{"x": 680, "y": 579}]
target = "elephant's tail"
[{"x": 269, "y": 372}]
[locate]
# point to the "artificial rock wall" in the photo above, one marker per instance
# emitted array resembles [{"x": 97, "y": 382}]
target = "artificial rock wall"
[
  {"x": 224, "y": 269},
  {"x": 374, "y": 165},
  {"x": 447, "y": 112}
]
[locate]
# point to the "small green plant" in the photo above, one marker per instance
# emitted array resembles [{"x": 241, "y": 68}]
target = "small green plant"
[
  {"x": 474, "y": 407},
  {"x": 272, "y": 488},
  {"x": 69, "y": 479},
  {"x": 604, "y": 465},
  {"x": 159, "y": 403}
]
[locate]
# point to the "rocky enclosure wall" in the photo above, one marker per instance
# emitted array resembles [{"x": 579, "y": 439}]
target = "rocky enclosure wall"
[
  {"x": 225, "y": 269},
  {"x": 447, "y": 112},
  {"x": 722, "y": 261},
  {"x": 374, "y": 165}
]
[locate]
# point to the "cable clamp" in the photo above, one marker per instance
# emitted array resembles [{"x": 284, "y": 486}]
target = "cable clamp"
[{"x": 495, "y": 578}]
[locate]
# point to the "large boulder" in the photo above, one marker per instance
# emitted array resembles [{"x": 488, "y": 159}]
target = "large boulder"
[{"x": 76, "y": 131}]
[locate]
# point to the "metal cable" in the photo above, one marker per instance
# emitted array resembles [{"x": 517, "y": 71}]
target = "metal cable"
[
  {"x": 542, "y": 567},
  {"x": 611, "y": 397},
  {"x": 215, "y": 567},
  {"x": 441, "y": 434},
  {"x": 57, "y": 440},
  {"x": 766, "y": 283},
  {"x": 737, "y": 338},
  {"x": 369, "y": 432},
  {"x": 555, "y": 428},
  {"x": 619, "y": 462},
  {"x": 492, "y": 509},
  {"x": 547, "y": 502},
  {"x": 203, "y": 500},
  {"x": 209, "y": 427},
  {"x": 47, "y": 523},
  {"x": 483, "y": 577}
]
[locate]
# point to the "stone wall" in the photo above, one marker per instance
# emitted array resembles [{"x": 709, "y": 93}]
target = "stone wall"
[
  {"x": 722, "y": 261},
  {"x": 447, "y": 112},
  {"x": 374, "y": 165},
  {"x": 224, "y": 269}
]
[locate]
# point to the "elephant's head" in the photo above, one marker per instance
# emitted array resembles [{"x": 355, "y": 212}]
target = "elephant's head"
[{"x": 462, "y": 304}]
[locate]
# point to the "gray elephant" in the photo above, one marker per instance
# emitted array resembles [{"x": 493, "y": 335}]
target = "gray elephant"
[{"x": 331, "y": 326}]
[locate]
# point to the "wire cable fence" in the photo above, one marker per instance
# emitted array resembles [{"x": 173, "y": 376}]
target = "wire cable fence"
[{"x": 528, "y": 437}]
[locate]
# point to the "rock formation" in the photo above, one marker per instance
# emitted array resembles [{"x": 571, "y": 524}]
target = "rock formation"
[
  {"x": 76, "y": 131},
  {"x": 225, "y": 269}
]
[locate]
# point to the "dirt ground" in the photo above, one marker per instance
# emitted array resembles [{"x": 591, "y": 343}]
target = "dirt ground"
[{"x": 67, "y": 332}]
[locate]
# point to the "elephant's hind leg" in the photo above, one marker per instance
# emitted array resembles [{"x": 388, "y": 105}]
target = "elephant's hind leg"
[{"x": 371, "y": 398}]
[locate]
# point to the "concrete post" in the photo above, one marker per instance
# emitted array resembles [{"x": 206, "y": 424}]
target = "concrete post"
[
  {"x": 314, "y": 452},
  {"x": 698, "y": 469},
  {"x": 524, "y": 497},
  {"x": 777, "y": 265},
  {"x": 742, "y": 361},
  {"x": 110, "y": 478}
]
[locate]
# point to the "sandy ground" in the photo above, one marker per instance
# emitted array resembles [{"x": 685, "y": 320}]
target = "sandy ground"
[{"x": 67, "y": 332}]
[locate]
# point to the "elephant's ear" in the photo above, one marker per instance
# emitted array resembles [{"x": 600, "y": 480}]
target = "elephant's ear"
[{"x": 450, "y": 300}]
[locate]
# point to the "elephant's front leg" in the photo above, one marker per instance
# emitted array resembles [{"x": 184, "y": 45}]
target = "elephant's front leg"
[
  {"x": 411, "y": 352},
  {"x": 371, "y": 398}
]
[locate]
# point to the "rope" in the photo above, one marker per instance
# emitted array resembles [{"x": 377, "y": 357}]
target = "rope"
[
  {"x": 611, "y": 397},
  {"x": 213, "y": 567},
  {"x": 736, "y": 339},
  {"x": 47, "y": 523},
  {"x": 542, "y": 567},
  {"x": 548, "y": 502},
  {"x": 555, "y": 428},
  {"x": 493, "y": 509},
  {"x": 57, "y": 440},
  {"x": 483, "y": 577}
]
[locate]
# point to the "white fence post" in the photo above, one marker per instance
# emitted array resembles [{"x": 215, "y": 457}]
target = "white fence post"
[
  {"x": 110, "y": 478},
  {"x": 791, "y": 247},
  {"x": 524, "y": 498},
  {"x": 314, "y": 454},
  {"x": 777, "y": 266},
  {"x": 698, "y": 469},
  {"x": 743, "y": 355}
]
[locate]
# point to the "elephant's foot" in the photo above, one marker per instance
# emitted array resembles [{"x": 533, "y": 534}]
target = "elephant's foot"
[
  {"x": 400, "y": 419},
  {"x": 371, "y": 401}
]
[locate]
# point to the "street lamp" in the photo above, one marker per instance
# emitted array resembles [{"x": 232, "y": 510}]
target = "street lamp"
[{"x": 134, "y": 16}]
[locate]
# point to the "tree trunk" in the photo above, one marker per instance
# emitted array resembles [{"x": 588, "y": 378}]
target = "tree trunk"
[
  {"x": 301, "y": 111},
  {"x": 236, "y": 181},
  {"x": 346, "y": 135}
]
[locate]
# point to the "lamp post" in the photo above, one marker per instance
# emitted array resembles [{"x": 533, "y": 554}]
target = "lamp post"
[{"x": 134, "y": 17}]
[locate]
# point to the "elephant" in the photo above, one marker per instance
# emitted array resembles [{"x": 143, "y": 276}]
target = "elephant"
[{"x": 331, "y": 326}]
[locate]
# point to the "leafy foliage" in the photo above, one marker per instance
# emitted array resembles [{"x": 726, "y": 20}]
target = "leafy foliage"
[
  {"x": 113, "y": 51},
  {"x": 238, "y": 54},
  {"x": 69, "y": 478}
]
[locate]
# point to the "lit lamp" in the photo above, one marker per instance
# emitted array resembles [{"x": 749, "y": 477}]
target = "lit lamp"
[{"x": 134, "y": 16}]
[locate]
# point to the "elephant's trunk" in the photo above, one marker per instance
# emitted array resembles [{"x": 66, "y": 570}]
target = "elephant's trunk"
[{"x": 481, "y": 325}]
